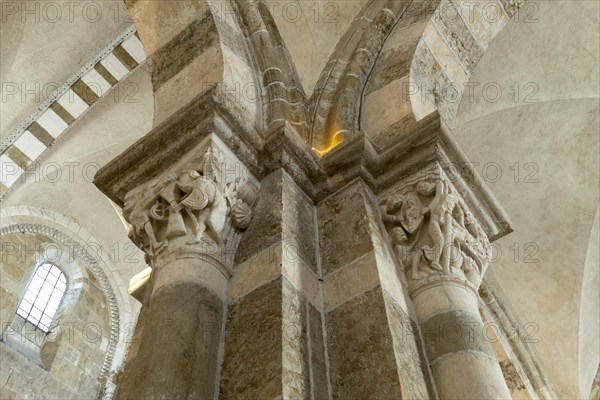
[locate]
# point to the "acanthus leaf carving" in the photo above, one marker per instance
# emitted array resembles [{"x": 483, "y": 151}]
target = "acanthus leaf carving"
[{"x": 432, "y": 232}]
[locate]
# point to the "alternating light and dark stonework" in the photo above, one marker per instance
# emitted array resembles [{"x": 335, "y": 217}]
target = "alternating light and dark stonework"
[
  {"x": 292, "y": 253},
  {"x": 27, "y": 143}
]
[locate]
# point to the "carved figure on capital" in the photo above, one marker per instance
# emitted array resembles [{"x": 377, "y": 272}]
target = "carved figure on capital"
[
  {"x": 431, "y": 233},
  {"x": 404, "y": 217},
  {"x": 193, "y": 203},
  {"x": 137, "y": 213}
]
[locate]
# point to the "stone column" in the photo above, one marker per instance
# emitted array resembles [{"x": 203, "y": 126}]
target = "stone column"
[
  {"x": 188, "y": 221},
  {"x": 178, "y": 349},
  {"x": 461, "y": 358},
  {"x": 444, "y": 253}
]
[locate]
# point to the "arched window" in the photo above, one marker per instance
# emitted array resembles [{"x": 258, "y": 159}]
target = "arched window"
[{"x": 43, "y": 296}]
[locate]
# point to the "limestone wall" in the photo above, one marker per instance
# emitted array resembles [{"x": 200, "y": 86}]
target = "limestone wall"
[{"x": 69, "y": 360}]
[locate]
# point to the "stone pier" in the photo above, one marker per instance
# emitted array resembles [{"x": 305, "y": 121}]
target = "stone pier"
[
  {"x": 281, "y": 272},
  {"x": 296, "y": 277},
  {"x": 189, "y": 223}
]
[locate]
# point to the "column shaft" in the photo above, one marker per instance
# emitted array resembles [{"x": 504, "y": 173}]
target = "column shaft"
[
  {"x": 180, "y": 338},
  {"x": 461, "y": 358},
  {"x": 444, "y": 253}
]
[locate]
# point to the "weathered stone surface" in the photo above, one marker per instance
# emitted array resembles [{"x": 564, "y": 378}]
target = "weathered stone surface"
[
  {"x": 595, "y": 391},
  {"x": 450, "y": 23},
  {"x": 361, "y": 350},
  {"x": 320, "y": 386},
  {"x": 9, "y": 303},
  {"x": 188, "y": 347},
  {"x": 485, "y": 377},
  {"x": 355, "y": 278},
  {"x": 198, "y": 76},
  {"x": 18, "y": 383},
  {"x": 252, "y": 362},
  {"x": 512, "y": 377},
  {"x": 13, "y": 271},
  {"x": 265, "y": 229},
  {"x": 287, "y": 218},
  {"x": 269, "y": 333},
  {"x": 290, "y": 327},
  {"x": 485, "y": 20},
  {"x": 453, "y": 332},
  {"x": 282, "y": 214},
  {"x": 458, "y": 35},
  {"x": 68, "y": 362},
  {"x": 123, "y": 56},
  {"x": 434, "y": 84},
  {"x": 443, "y": 251},
  {"x": 40, "y": 133},
  {"x": 299, "y": 219},
  {"x": 394, "y": 61},
  {"x": 405, "y": 124},
  {"x": 231, "y": 38},
  {"x": 84, "y": 92},
  {"x": 511, "y": 6},
  {"x": 413, "y": 368},
  {"x": 105, "y": 74},
  {"x": 445, "y": 56},
  {"x": 295, "y": 349},
  {"x": 182, "y": 50},
  {"x": 18, "y": 157},
  {"x": 343, "y": 228},
  {"x": 520, "y": 384}
]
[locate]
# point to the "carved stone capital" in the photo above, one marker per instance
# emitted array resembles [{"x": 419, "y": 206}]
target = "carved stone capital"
[
  {"x": 199, "y": 206},
  {"x": 429, "y": 143},
  {"x": 432, "y": 231}
]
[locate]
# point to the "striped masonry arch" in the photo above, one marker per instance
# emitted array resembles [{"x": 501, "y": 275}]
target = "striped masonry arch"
[{"x": 67, "y": 104}]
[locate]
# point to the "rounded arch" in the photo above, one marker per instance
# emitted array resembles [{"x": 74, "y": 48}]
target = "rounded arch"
[
  {"x": 68, "y": 232},
  {"x": 25, "y": 228},
  {"x": 193, "y": 47},
  {"x": 453, "y": 43},
  {"x": 371, "y": 55},
  {"x": 425, "y": 64}
]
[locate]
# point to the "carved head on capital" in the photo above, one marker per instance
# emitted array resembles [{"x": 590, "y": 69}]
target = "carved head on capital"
[
  {"x": 394, "y": 203},
  {"x": 425, "y": 188}
]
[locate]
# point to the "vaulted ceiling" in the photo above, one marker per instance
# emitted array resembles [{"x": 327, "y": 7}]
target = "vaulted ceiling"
[
  {"x": 44, "y": 44},
  {"x": 541, "y": 134}
]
